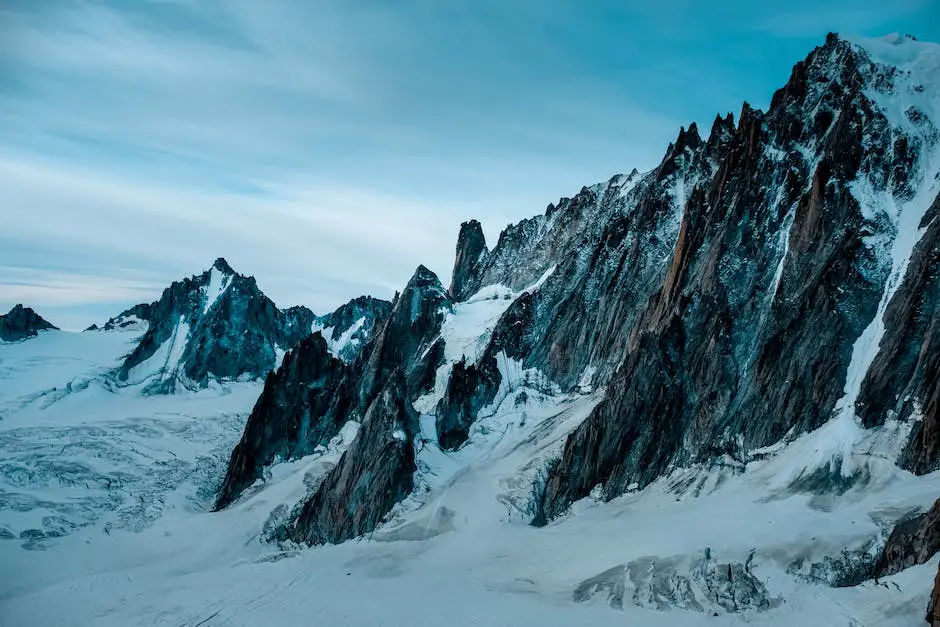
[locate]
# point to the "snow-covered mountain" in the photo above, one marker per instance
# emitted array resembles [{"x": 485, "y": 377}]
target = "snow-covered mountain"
[
  {"x": 708, "y": 393},
  {"x": 214, "y": 325},
  {"x": 219, "y": 325},
  {"x": 348, "y": 328}
]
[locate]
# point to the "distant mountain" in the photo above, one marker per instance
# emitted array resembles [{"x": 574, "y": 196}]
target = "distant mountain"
[
  {"x": 22, "y": 323},
  {"x": 220, "y": 325},
  {"x": 130, "y": 319},
  {"x": 348, "y": 328}
]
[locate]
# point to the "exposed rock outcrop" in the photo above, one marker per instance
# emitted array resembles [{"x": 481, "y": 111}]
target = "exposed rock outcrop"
[
  {"x": 314, "y": 393},
  {"x": 471, "y": 249},
  {"x": 303, "y": 405},
  {"x": 914, "y": 540},
  {"x": 410, "y": 330},
  {"x": 470, "y": 388},
  {"x": 22, "y": 323},
  {"x": 374, "y": 474}
]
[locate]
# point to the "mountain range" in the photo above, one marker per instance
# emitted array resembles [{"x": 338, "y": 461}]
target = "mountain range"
[{"x": 761, "y": 310}]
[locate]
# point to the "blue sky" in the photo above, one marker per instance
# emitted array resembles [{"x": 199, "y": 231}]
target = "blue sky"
[{"x": 330, "y": 147}]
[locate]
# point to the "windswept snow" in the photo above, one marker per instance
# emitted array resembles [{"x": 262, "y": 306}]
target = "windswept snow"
[
  {"x": 218, "y": 283},
  {"x": 461, "y": 550}
]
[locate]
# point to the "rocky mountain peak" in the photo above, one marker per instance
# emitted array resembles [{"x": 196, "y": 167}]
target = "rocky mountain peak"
[
  {"x": 223, "y": 266},
  {"x": 471, "y": 249},
  {"x": 218, "y": 325},
  {"x": 404, "y": 341},
  {"x": 21, "y": 323},
  {"x": 780, "y": 272}
]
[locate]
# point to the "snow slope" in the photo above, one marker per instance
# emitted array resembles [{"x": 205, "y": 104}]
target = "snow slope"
[
  {"x": 459, "y": 559},
  {"x": 106, "y": 493}
]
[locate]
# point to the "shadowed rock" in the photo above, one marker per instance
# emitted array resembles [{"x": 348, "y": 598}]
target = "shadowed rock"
[
  {"x": 471, "y": 249},
  {"x": 745, "y": 340},
  {"x": 314, "y": 393},
  {"x": 303, "y": 405},
  {"x": 22, "y": 323},
  {"x": 233, "y": 331},
  {"x": 411, "y": 329},
  {"x": 374, "y": 474}
]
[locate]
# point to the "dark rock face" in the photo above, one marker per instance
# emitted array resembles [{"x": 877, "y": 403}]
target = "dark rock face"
[
  {"x": 217, "y": 324},
  {"x": 904, "y": 379},
  {"x": 353, "y": 324},
  {"x": 411, "y": 328},
  {"x": 913, "y": 541},
  {"x": 374, "y": 474},
  {"x": 741, "y": 343},
  {"x": 471, "y": 249},
  {"x": 469, "y": 389},
  {"x": 314, "y": 393},
  {"x": 303, "y": 405},
  {"x": 22, "y": 323}
]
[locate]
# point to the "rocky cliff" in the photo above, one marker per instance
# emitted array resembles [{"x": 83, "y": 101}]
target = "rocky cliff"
[
  {"x": 302, "y": 406},
  {"x": 374, "y": 474},
  {"x": 782, "y": 283},
  {"x": 22, "y": 323}
]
